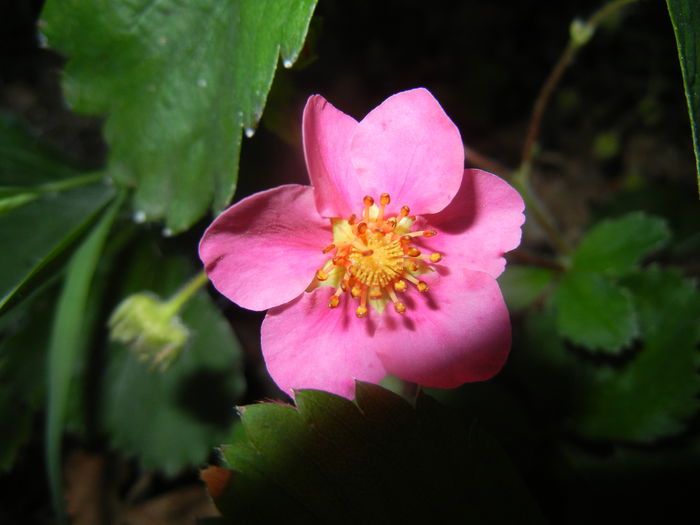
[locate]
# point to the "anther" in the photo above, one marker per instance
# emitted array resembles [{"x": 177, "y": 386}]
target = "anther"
[
  {"x": 400, "y": 285},
  {"x": 413, "y": 252},
  {"x": 384, "y": 199},
  {"x": 399, "y": 307},
  {"x": 405, "y": 210},
  {"x": 368, "y": 201},
  {"x": 328, "y": 248},
  {"x": 355, "y": 292},
  {"x": 429, "y": 233},
  {"x": 352, "y": 219},
  {"x": 422, "y": 286},
  {"x": 321, "y": 275},
  {"x": 375, "y": 293},
  {"x": 435, "y": 257},
  {"x": 361, "y": 312},
  {"x": 361, "y": 228},
  {"x": 334, "y": 302},
  {"x": 367, "y": 253}
]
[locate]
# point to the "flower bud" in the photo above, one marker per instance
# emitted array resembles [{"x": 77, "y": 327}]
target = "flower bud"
[{"x": 150, "y": 328}]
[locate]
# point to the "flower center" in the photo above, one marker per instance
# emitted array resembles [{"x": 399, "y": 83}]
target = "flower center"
[{"x": 373, "y": 258}]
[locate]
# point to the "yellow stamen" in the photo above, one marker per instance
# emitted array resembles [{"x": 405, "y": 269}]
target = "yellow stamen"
[
  {"x": 375, "y": 292},
  {"x": 373, "y": 257}
]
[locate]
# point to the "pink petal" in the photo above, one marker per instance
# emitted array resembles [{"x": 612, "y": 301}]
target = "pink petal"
[
  {"x": 327, "y": 134},
  {"x": 480, "y": 225},
  {"x": 457, "y": 332},
  {"x": 264, "y": 250},
  {"x": 308, "y": 345},
  {"x": 409, "y": 148}
]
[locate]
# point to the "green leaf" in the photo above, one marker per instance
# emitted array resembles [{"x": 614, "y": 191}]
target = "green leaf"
[
  {"x": 172, "y": 419},
  {"x": 36, "y": 234},
  {"x": 26, "y": 161},
  {"x": 177, "y": 81},
  {"x": 614, "y": 246},
  {"x": 594, "y": 312},
  {"x": 685, "y": 17},
  {"x": 523, "y": 285},
  {"x": 67, "y": 344},
  {"x": 45, "y": 204},
  {"x": 657, "y": 392},
  {"x": 378, "y": 460},
  {"x": 22, "y": 371}
]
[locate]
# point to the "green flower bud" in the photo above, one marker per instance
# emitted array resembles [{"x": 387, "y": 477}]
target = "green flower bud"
[
  {"x": 581, "y": 32},
  {"x": 150, "y": 327}
]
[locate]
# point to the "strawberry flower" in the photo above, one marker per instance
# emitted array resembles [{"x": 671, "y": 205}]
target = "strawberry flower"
[{"x": 386, "y": 263}]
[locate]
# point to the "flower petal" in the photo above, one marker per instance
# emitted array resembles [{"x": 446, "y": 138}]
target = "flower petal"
[
  {"x": 458, "y": 332},
  {"x": 327, "y": 133},
  {"x": 480, "y": 225},
  {"x": 308, "y": 345},
  {"x": 264, "y": 250},
  {"x": 409, "y": 148}
]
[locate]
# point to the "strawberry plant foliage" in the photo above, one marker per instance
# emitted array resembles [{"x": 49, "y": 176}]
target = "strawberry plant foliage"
[
  {"x": 177, "y": 81},
  {"x": 375, "y": 460}
]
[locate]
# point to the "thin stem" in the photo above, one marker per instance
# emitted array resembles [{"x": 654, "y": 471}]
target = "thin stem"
[
  {"x": 183, "y": 295},
  {"x": 67, "y": 184},
  {"x": 555, "y": 75},
  {"x": 584, "y": 31}
]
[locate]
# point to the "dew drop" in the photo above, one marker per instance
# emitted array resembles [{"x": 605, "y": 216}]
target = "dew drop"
[
  {"x": 167, "y": 232},
  {"x": 139, "y": 217},
  {"x": 43, "y": 41},
  {"x": 287, "y": 63},
  {"x": 249, "y": 132},
  {"x": 202, "y": 82}
]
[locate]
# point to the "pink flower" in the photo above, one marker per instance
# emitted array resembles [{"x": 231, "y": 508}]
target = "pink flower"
[{"x": 387, "y": 263}]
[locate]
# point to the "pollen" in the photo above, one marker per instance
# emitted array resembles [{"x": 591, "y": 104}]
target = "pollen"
[{"x": 372, "y": 256}]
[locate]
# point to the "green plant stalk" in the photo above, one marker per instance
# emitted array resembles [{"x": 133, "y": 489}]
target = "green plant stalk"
[
  {"x": 177, "y": 301},
  {"x": 522, "y": 176}
]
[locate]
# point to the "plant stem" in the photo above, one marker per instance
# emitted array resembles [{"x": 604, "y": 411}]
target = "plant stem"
[
  {"x": 68, "y": 184},
  {"x": 580, "y": 34},
  {"x": 555, "y": 75},
  {"x": 177, "y": 301}
]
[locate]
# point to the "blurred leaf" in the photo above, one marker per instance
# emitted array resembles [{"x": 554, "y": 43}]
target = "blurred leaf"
[
  {"x": 657, "y": 392},
  {"x": 685, "y": 16},
  {"x": 22, "y": 371},
  {"x": 523, "y": 285},
  {"x": 67, "y": 343},
  {"x": 37, "y": 233},
  {"x": 177, "y": 82},
  {"x": 26, "y": 161},
  {"x": 614, "y": 246},
  {"x": 594, "y": 312},
  {"x": 45, "y": 204},
  {"x": 172, "y": 419},
  {"x": 378, "y": 461}
]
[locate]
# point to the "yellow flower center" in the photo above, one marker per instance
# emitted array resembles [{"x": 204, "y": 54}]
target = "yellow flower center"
[{"x": 372, "y": 258}]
